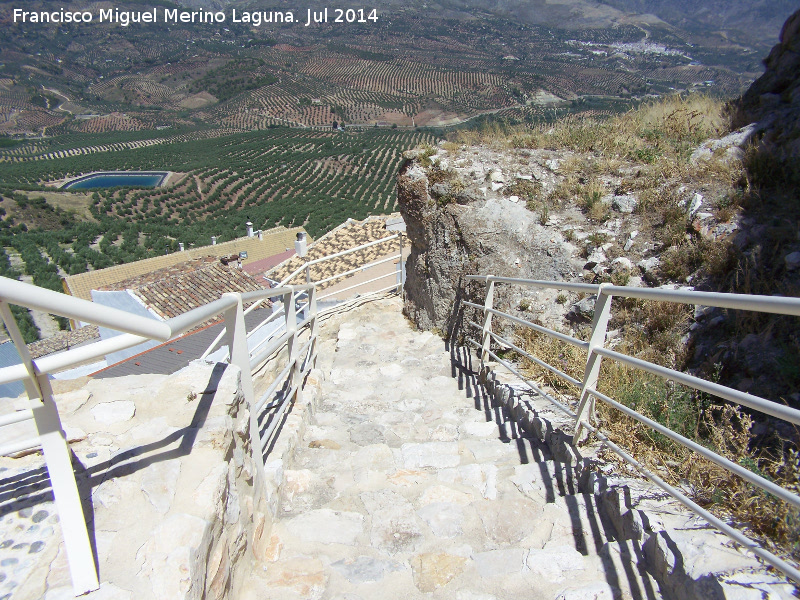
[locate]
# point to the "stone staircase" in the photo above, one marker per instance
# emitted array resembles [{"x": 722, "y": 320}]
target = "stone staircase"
[
  {"x": 402, "y": 473},
  {"x": 411, "y": 482}
]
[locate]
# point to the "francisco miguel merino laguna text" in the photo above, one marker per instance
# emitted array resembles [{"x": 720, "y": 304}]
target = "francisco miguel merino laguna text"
[{"x": 125, "y": 18}]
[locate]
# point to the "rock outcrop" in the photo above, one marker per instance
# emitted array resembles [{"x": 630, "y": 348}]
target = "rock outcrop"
[
  {"x": 455, "y": 233},
  {"x": 774, "y": 99}
]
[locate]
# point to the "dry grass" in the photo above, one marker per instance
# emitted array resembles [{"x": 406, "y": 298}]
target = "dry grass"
[
  {"x": 664, "y": 129},
  {"x": 723, "y": 428}
]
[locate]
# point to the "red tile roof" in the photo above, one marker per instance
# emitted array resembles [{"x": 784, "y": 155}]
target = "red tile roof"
[{"x": 178, "y": 288}]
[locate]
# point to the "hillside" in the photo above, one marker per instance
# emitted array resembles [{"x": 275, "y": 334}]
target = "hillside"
[
  {"x": 644, "y": 200},
  {"x": 412, "y": 65}
]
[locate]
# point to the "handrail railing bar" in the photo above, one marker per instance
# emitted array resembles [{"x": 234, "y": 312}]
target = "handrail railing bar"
[
  {"x": 284, "y": 405},
  {"x": 183, "y": 323},
  {"x": 64, "y": 305},
  {"x": 769, "y": 304},
  {"x": 352, "y": 287},
  {"x": 16, "y": 417},
  {"x": 524, "y": 380},
  {"x": 765, "y": 406},
  {"x": 723, "y": 462},
  {"x": 269, "y": 350},
  {"x": 734, "y": 534},
  {"x": 326, "y": 311},
  {"x": 213, "y": 344},
  {"x": 533, "y": 386},
  {"x": 69, "y": 358},
  {"x": 316, "y": 261},
  {"x": 253, "y": 306},
  {"x": 273, "y": 292},
  {"x": 267, "y": 321},
  {"x": 259, "y": 405},
  {"x": 358, "y": 269},
  {"x": 573, "y": 287},
  {"x": 549, "y": 332},
  {"x": 276, "y": 383},
  {"x": 20, "y": 446},
  {"x": 266, "y": 340},
  {"x": 538, "y": 361},
  {"x": 766, "y": 304}
]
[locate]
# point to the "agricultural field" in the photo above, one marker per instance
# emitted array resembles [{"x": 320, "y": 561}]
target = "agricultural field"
[
  {"x": 244, "y": 116},
  {"x": 404, "y": 70},
  {"x": 280, "y": 176}
]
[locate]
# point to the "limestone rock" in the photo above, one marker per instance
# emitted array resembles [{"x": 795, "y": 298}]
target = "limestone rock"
[
  {"x": 434, "y": 570},
  {"x": 583, "y": 310},
  {"x": 773, "y": 101},
  {"x": 327, "y": 526},
  {"x": 305, "y": 577},
  {"x": 158, "y": 484},
  {"x": 114, "y": 412},
  {"x": 454, "y": 239},
  {"x": 594, "y": 591},
  {"x": 445, "y": 519},
  {"x": 431, "y": 454},
  {"x": 792, "y": 261},
  {"x": 497, "y": 563},
  {"x": 69, "y": 402},
  {"x": 366, "y": 569},
  {"x": 625, "y": 204},
  {"x": 621, "y": 264},
  {"x": 394, "y": 523},
  {"x": 555, "y": 563}
]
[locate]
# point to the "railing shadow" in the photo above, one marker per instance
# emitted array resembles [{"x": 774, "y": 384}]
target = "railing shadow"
[
  {"x": 14, "y": 490},
  {"x": 591, "y": 528}
]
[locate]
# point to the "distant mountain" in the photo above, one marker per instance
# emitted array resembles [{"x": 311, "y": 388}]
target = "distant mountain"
[
  {"x": 757, "y": 22},
  {"x": 752, "y": 22}
]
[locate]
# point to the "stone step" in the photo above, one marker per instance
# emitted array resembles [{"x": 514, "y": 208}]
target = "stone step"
[{"x": 414, "y": 481}]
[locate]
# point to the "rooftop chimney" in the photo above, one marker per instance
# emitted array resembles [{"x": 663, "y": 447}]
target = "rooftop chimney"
[
  {"x": 249, "y": 229},
  {"x": 180, "y": 246},
  {"x": 260, "y": 236},
  {"x": 213, "y": 240},
  {"x": 300, "y": 246}
]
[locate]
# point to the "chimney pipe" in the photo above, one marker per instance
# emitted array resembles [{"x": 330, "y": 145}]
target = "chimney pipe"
[
  {"x": 249, "y": 229},
  {"x": 180, "y": 246},
  {"x": 300, "y": 246},
  {"x": 213, "y": 240},
  {"x": 260, "y": 235}
]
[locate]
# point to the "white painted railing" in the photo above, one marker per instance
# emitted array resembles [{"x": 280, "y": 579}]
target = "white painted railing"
[
  {"x": 298, "y": 338},
  {"x": 595, "y": 352},
  {"x": 397, "y": 285}
]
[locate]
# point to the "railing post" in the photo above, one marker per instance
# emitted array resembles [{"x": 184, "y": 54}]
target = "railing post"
[
  {"x": 487, "y": 321},
  {"x": 400, "y": 266},
  {"x": 312, "y": 308},
  {"x": 239, "y": 355},
  {"x": 290, "y": 312},
  {"x": 56, "y": 452},
  {"x": 602, "y": 314},
  {"x": 308, "y": 273}
]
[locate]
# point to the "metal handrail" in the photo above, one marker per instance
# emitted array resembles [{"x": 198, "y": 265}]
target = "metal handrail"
[
  {"x": 136, "y": 329},
  {"x": 317, "y": 261},
  {"x": 596, "y": 351}
]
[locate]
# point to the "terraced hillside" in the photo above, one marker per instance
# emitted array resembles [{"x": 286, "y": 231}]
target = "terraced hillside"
[
  {"x": 281, "y": 176},
  {"x": 409, "y": 67}
]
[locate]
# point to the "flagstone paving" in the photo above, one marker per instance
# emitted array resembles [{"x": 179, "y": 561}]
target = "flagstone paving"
[{"x": 409, "y": 483}]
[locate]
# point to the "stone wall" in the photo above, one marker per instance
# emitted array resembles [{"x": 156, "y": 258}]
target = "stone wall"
[{"x": 179, "y": 509}]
